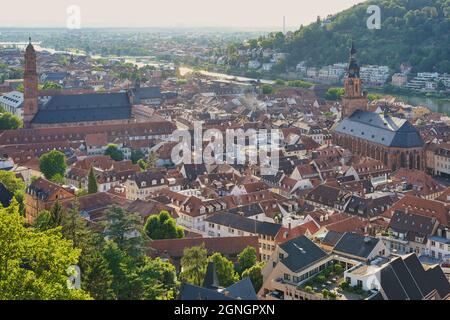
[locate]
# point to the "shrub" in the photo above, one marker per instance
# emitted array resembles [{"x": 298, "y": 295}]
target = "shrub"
[
  {"x": 338, "y": 268},
  {"x": 325, "y": 293},
  {"x": 308, "y": 289},
  {"x": 344, "y": 285},
  {"x": 321, "y": 278}
]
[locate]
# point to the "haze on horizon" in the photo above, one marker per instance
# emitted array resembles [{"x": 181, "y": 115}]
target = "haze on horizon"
[{"x": 170, "y": 13}]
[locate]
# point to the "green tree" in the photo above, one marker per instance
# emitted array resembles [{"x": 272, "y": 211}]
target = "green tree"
[
  {"x": 52, "y": 163},
  {"x": 136, "y": 155},
  {"x": 142, "y": 164},
  {"x": 8, "y": 121},
  {"x": 334, "y": 94},
  {"x": 124, "y": 280},
  {"x": 224, "y": 269},
  {"x": 92, "y": 182},
  {"x": 56, "y": 215},
  {"x": 34, "y": 264},
  {"x": 246, "y": 259},
  {"x": 124, "y": 229},
  {"x": 114, "y": 152},
  {"x": 159, "y": 280},
  {"x": 267, "y": 89},
  {"x": 14, "y": 185},
  {"x": 162, "y": 226},
  {"x": 11, "y": 182},
  {"x": 255, "y": 275},
  {"x": 96, "y": 275},
  {"x": 374, "y": 96},
  {"x": 152, "y": 159},
  {"x": 51, "y": 85},
  {"x": 440, "y": 86},
  {"x": 193, "y": 264},
  {"x": 139, "y": 278},
  {"x": 58, "y": 178},
  {"x": 300, "y": 84},
  {"x": 81, "y": 192}
]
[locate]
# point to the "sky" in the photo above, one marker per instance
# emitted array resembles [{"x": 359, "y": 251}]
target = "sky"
[{"x": 169, "y": 13}]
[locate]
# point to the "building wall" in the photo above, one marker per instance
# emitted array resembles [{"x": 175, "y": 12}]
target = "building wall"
[
  {"x": 266, "y": 243},
  {"x": 272, "y": 275},
  {"x": 134, "y": 193},
  {"x": 394, "y": 158}
]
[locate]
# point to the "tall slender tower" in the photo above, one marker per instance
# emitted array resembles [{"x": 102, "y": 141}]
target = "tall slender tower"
[
  {"x": 354, "y": 98},
  {"x": 30, "y": 86}
]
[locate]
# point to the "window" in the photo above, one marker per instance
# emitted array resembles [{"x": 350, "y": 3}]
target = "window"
[
  {"x": 359, "y": 283},
  {"x": 287, "y": 277}
]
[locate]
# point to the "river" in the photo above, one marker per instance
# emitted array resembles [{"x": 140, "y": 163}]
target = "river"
[
  {"x": 223, "y": 76},
  {"x": 434, "y": 104}
]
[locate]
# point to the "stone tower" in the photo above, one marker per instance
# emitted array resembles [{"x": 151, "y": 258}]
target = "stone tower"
[
  {"x": 354, "y": 98},
  {"x": 30, "y": 86}
]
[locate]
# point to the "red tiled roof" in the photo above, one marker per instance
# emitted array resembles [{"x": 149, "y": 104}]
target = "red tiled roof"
[
  {"x": 429, "y": 208},
  {"x": 96, "y": 139},
  {"x": 352, "y": 224}
]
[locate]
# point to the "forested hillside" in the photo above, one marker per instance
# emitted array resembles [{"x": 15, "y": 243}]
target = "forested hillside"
[{"x": 412, "y": 31}]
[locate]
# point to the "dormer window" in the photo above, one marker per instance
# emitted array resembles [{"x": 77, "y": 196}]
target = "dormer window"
[
  {"x": 154, "y": 182},
  {"x": 143, "y": 184}
]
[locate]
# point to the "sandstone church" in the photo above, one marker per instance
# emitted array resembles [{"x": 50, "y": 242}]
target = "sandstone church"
[
  {"x": 394, "y": 141},
  {"x": 71, "y": 109}
]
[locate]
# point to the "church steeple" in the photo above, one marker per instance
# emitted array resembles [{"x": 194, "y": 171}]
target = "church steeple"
[
  {"x": 353, "y": 67},
  {"x": 354, "y": 98},
  {"x": 30, "y": 86}
]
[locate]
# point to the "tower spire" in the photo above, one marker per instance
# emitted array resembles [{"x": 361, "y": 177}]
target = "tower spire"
[
  {"x": 30, "y": 86},
  {"x": 353, "y": 49},
  {"x": 354, "y": 98},
  {"x": 353, "y": 67}
]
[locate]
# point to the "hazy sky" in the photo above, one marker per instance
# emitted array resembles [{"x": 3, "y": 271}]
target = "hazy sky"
[{"x": 169, "y": 13}]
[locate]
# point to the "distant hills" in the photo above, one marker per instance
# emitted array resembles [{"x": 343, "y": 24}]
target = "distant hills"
[{"x": 412, "y": 31}]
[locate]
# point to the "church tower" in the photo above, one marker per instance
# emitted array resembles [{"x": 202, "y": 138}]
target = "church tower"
[
  {"x": 354, "y": 98},
  {"x": 30, "y": 86}
]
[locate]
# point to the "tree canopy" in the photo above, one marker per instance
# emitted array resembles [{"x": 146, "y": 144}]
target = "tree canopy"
[
  {"x": 114, "y": 152},
  {"x": 53, "y": 163},
  {"x": 224, "y": 269},
  {"x": 162, "y": 226},
  {"x": 9, "y": 121},
  {"x": 14, "y": 185},
  {"x": 255, "y": 275},
  {"x": 92, "y": 182},
  {"x": 193, "y": 264},
  {"x": 404, "y": 25},
  {"x": 246, "y": 259},
  {"x": 34, "y": 264}
]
